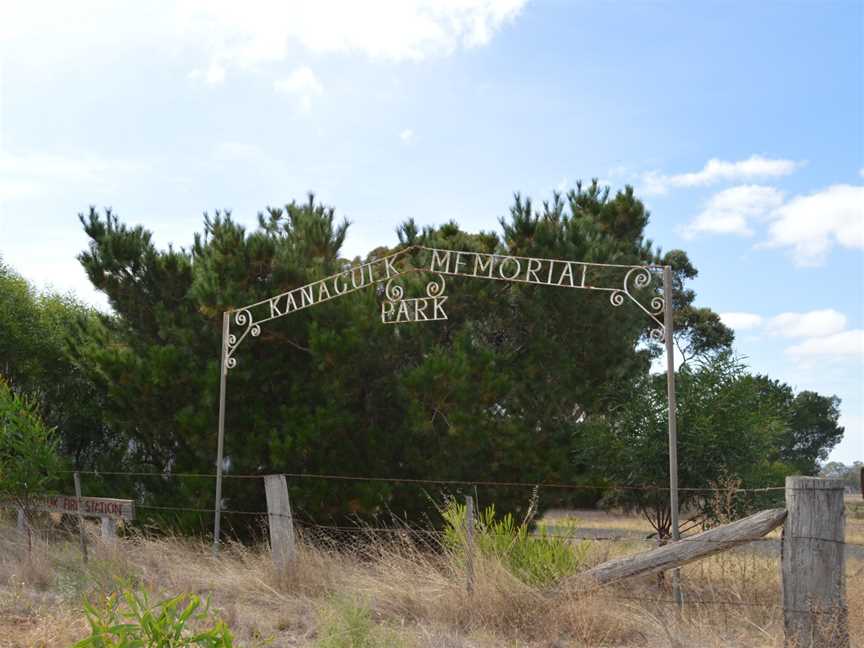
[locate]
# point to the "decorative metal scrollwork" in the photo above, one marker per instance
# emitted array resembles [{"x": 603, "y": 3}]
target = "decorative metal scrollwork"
[
  {"x": 244, "y": 319},
  {"x": 434, "y": 288},
  {"x": 393, "y": 291},
  {"x": 396, "y": 309},
  {"x": 640, "y": 277},
  {"x": 384, "y": 274}
]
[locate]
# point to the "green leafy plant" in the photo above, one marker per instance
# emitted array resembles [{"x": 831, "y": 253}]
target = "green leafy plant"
[
  {"x": 29, "y": 455},
  {"x": 349, "y": 624},
  {"x": 127, "y": 620},
  {"x": 538, "y": 559}
]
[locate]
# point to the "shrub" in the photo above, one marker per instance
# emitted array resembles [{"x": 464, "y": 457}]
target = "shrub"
[
  {"x": 29, "y": 455},
  {"x": 535, "y": 559},
  {"x": 348, "y": 624},
  {"x": 127, "y": 620}
]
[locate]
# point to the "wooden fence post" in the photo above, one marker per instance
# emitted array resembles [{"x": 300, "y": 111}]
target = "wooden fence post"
[
  {"x": 813, "y": 564},
  {"x": 469, "y": 543},
  {"x": 81, "y": 531},
  {"x": 281, "y": 523},
  {"x": 109, "y": 530}
]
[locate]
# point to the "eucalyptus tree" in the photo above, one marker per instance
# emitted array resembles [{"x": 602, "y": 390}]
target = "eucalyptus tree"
[{"x": 733, "y": 428}]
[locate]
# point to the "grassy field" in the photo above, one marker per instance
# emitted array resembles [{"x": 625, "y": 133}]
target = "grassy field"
[{"x": 393, "y": 593}]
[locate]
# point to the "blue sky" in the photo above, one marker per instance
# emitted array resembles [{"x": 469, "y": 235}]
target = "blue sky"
[{"x": 739, "y": 124}]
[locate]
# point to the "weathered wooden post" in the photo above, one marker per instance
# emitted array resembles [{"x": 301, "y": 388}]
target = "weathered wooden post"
[
  {"x": 281, "y": 523},
  {"x": 469, "y": 543},
  {"x": 813, "y": 564},
  {"x": 109, "y": 530},
  {"x": 81, "y": 531}
]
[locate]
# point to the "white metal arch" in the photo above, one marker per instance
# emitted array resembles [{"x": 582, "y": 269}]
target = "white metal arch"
[{"x": 621, "y": 282}]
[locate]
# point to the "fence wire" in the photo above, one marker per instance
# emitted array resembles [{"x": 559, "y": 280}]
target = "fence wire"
[
  {"x": 541, "y": 534},
  {"x": 433, "y": 537},
  {"x": 365, "y": 528},
  {"x": 431, "y": 482}
]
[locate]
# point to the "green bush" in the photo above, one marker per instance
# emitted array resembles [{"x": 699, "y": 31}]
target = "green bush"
[
  {"x": 537, "y": 559},
  {"x": 348, "y": 624},
  {"x": 127, "y": 620},
  {"x": 29, "y": 453}
]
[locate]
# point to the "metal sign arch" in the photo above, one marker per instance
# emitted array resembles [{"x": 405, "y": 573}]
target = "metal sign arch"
[
  {"x": 623, "y": 284},
  {"x": 387, "y": 270}
]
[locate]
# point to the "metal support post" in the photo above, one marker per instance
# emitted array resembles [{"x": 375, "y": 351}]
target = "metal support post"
[
  {"x": 223, "y": 368},
  {"x": 668, "y": 330}
]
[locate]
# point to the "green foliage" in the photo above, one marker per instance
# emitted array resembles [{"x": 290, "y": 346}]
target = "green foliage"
[
  {"x": 727, "y": 429},
  {"x": 499, "y": 392},
  {"x": 539, "y": 559},
  {"x": 36, "y": 358},
  {"x": 29, "y": 458},
  {"x": 811, "y": 423},
  {"x": 349, "y": 624},
  {"x": 813, "y": 431},
  {"x": 128, "y": 620},
  {"x": 507, "y": 389},
  {"x": 698, "y": 331},
  {"x": 494, "y": 392}
]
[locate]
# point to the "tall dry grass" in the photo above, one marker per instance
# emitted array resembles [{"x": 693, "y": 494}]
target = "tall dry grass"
[{"x": 394, "y": 593}]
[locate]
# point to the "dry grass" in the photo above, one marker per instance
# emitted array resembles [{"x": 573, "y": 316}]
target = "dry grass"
[
  {"x": 855, "y": 519},
  {"x": 596, "y": 519},
  {"x": 394, "y": 593}
]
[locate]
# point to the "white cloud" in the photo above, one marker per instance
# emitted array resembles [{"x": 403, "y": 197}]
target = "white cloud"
[
  {"x": 228, "y": 154},
  {"x": 808, "y": 224},
  {"x": 714, "y": 171},
  {"x": 301, "y": 83},
  {"x": 407, "y": 136},
  {"x": 730, "y": 211},
  {"x": 812, "y": 324},
  {"x": 30, "y": 173},
  {"x": 249, "y": 33},
  {"x": 15, "y": 189},
  {"x": 822, "y": 334},
  {"x": 214, "y": 75},
  {"x": 387, "y": 29},
  {"x": 845, "y": 344},
  {"x": 811, "y": 225},
  {"x": 236, "y": 151},
  {"x": 741, "y": 321},
  {"x": 218, "y": 36}
]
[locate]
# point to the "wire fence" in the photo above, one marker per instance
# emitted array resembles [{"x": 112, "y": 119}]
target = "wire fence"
[
  {"x": 545, "y": 529},
  {"x": 432, "y": 537},
  {"x": 436, "y": 482}
]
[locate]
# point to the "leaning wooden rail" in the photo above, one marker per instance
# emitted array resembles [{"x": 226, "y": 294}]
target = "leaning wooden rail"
[
  {"x": 686, "y": 550},
  {"x": 812, "y": 560}
]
